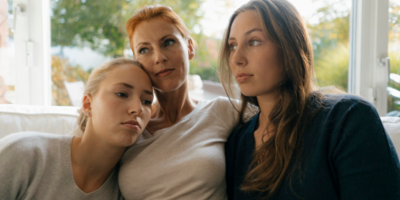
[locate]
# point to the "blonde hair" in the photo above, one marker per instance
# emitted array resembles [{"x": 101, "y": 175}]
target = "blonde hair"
[
  {"x": 92, "y": 86},
  {"x": 150, "y": 12},
  {"x": 284, "y": 26}
]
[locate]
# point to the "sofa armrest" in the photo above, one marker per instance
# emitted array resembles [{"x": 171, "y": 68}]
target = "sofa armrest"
[{"x": 48, "y": 119}]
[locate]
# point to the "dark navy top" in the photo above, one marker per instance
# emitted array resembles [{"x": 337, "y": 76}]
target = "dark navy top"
[{"x": 346, "y": 154}]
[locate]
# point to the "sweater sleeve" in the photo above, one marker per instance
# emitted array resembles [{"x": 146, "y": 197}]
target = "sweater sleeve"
[
  {"x": 362, "y": 154},
  {"x": 16, "y": 159}
]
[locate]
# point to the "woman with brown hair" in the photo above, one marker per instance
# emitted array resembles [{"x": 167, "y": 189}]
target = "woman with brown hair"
[
  {"x": 303, "y": 144},
  {"x": 181, "y": 153}
]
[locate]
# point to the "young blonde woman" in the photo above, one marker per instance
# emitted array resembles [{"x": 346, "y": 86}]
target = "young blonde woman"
[
  {"x": 302, "y": 144},
  {"x": 116, "y": 108},
  {"x": 181, "y": 154}
]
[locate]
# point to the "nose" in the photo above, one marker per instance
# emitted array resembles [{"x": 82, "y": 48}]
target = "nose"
[
  {"x": 159, "y": 56},
  {"x": 238, "y": 57},
  {"x": 136, "y": 107}
]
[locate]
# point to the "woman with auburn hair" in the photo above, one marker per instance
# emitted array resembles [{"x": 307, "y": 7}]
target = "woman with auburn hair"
[
  {"x": 181, "y": 152},
  {"x": 116, "y": 108},
  {"x": 303, "y": 144}
]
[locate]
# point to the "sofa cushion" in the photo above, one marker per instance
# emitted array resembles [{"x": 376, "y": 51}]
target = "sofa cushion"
[
  {"x": 392, "y": 126},
  {"x": 62, "y": 120},
  {"x": 48, "y": 119}
]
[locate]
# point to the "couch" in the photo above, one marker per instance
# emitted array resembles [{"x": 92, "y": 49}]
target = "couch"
[{"x": 62, "y": 119}]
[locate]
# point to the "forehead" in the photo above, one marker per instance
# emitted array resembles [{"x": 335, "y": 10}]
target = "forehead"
[
  {"x": 128, "y": 73},
  {"x": 244, "y": 22},
  {"x": 153, "y": 29}
]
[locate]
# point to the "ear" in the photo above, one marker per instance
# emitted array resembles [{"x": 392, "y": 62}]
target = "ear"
[
  {"x": 191, "y": 50},
  {"x": 87, "y": 103}
]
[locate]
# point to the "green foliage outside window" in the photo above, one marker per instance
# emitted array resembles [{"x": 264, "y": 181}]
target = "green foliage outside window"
[{"x": 101, "y": 26}]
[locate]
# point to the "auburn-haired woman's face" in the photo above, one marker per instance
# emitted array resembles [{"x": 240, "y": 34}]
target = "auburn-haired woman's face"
[
  {"x": 163, "y": 52},
  {"x": 255, "y": 61}
]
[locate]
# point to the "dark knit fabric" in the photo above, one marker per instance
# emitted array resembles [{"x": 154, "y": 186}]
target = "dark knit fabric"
[{"x": 346, "y": 154}]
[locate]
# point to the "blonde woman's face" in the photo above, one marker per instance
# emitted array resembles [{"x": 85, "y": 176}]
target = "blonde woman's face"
[
  {"x": 255, "y": 61},
  {"x": 121, "y": 108},
  {"x": 163, "y": 52}
]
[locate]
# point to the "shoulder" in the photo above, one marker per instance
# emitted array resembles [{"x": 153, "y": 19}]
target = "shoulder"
[
  {"x": 220, "y": 103},
  {"x": 220, "y": 108},
  {"x": 347, "y": 105},
  {"x": 242, "y": 129},
  {"x": 28, "y": 143},
  {"x": 345, "y": 100}
]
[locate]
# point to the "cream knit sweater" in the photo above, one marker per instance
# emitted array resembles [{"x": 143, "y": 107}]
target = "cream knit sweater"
[{"x": 182, "y": 162}]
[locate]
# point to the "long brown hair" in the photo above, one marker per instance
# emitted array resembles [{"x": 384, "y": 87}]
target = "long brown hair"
[{"x": 284, "y": 26}]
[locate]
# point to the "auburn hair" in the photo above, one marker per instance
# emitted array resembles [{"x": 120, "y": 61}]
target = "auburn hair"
[
  {"x": 284, "y": 26},
  {"x": 150, "y": 12}
]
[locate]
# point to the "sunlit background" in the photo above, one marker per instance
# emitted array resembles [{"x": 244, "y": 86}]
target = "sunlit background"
[{"x": 87, "y": 33}]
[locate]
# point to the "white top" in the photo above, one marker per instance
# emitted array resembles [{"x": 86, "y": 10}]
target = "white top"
[
  {"x": 38, "y": 166},
  {"x": 185, "y": 161}
]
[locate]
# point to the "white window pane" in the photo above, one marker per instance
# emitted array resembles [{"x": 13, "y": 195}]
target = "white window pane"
[
  {"x": 7, "y": 54},
  {"x": 394, "y": 55},
  {"x": 328, "y": 27}
]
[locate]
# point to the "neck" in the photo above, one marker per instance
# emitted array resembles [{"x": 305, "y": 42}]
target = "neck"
[
  {"x": 266, "y": 103},
  {"x": 172, "y": 106},
  {"x": 92, "y": 161}
]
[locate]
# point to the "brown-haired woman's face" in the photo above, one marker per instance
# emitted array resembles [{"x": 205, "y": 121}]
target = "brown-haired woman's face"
[
  {"x": 255, "y": 61},
  {"x": 163, "y": 52}
]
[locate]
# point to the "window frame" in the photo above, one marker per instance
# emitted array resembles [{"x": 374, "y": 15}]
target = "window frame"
[
  {"x": 368, "y": 77},
  {"x": 369, "y": 33},
  {"x": 32, "y": 52}
]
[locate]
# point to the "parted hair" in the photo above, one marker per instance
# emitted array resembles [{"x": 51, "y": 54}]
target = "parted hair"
[
  {"x": 92, "y": 86},
  {"x": 270, "y": 162},
  {"x": 150, "y": 12}
]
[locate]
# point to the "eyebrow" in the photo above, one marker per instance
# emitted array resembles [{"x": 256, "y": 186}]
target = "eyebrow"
[
  {"x": 131, "y": 87},
  {"x": 248, "y": 32},
  {"x": 147, "y": 43}
]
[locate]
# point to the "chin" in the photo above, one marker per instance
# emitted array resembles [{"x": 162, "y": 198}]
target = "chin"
[
  {"x": 127, "y": 140},
  {"x": 249, "y": 91},
  {"x": 169, "y": 86}
]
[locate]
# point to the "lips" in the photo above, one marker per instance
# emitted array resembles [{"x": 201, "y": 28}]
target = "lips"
[
  {"x": 132, "y": 124},
  {"x": 164, "y": 72},
  {"x": 243, "y": 77}
]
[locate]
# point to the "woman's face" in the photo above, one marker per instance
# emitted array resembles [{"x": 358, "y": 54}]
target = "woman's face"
[
  {"x": 121, "y": 108},
  {"x": 255, "y": 61},
  {"x": 163, "y": 52}
]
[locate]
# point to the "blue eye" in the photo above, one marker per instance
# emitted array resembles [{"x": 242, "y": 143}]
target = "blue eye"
[
  {"x": 122, "y": 95},
  {"x": 143, "y": 50},
  {"x": 254, "y": 42},
  {"x": 169, "y": 42}
]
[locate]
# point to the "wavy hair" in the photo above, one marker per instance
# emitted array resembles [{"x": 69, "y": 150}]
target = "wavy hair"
[{"x": 284, "y": 26}]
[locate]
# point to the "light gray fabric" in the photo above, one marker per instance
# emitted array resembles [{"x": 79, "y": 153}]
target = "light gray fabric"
[
  {"x": 38, "y": 166},
  {"x": 183, "y": 162}
]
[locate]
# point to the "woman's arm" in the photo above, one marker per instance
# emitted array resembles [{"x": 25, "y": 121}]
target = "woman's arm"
[
  {"x": 364, "y": 157},
  {"x": 15, "y": 159}
]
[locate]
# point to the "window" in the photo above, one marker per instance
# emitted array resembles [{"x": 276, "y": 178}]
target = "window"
[
  {"x": 328, "y": 25},
  {"x": 394, "y": 57},
  {"x": 7, "y": 54},
  {"x": 40, "y": 62}
]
